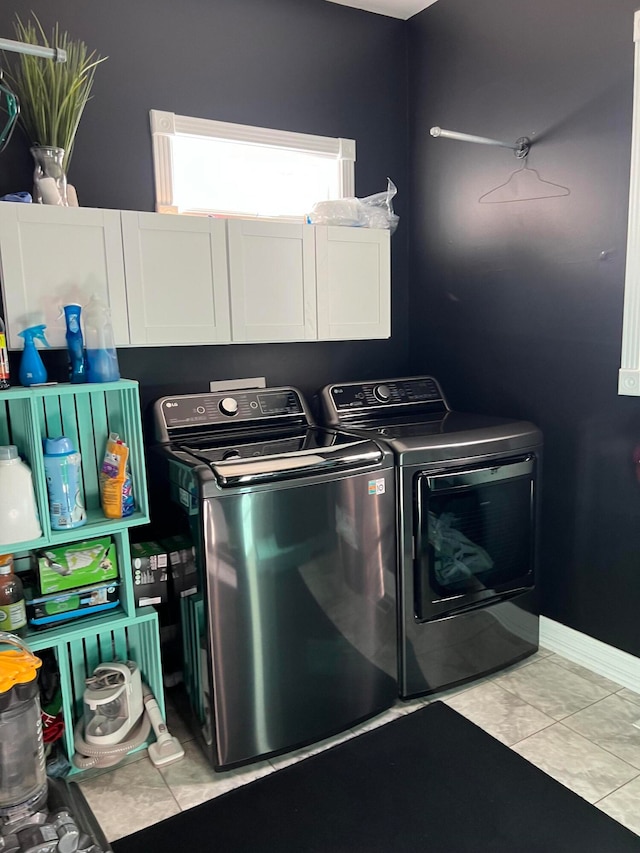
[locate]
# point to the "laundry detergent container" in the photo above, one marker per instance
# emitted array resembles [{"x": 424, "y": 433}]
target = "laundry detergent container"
[{"x": 18, "y": 513}]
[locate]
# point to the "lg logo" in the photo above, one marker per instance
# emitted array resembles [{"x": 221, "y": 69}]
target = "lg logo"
[{"x": 171, "y": 405}]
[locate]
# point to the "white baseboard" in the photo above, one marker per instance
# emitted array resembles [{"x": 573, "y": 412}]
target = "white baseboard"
[{"x": 597, "y": 656}]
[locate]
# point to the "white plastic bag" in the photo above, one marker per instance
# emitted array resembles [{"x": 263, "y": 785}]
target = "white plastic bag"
[{"x": 373, "y": 211}]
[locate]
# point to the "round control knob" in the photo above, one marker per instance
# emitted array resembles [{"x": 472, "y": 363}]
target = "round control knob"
[
  {"x": 228, "y": 406},
  {"x": 231, "y": 454},
  {"x": 382, "y": 393}
]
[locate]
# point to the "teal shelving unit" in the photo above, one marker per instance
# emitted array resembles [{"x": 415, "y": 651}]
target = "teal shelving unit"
[{"x": 87, "y": 414}]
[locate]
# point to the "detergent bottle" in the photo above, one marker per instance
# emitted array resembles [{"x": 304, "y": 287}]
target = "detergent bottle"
[
  {"x": 62, "y": 468},
  {"x": 75, "y": 342},
  {"x": 102, "y": 359},
  {"x": 32, "y": 370}
]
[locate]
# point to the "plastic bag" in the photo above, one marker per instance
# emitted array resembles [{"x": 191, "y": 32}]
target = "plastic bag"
[
  {"x": 116, "y": 492},
  {"x": 373, "y": 211}
]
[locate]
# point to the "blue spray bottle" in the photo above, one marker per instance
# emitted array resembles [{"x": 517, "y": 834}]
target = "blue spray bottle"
[
  {"x": 32, "y": 370},
  {"x": 75, "y": 343}
]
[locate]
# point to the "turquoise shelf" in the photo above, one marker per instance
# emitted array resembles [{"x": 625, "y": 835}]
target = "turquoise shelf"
[{"x": 87, "y": 414}]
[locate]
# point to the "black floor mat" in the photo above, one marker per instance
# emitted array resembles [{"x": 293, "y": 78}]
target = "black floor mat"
[{"x": 430, "y": 781}]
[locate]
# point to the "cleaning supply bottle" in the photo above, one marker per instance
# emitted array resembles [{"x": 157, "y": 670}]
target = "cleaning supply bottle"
[
  {"x": 4, "y": 358},
  {"x": 102, "y": 359},
  {"x": 13, "y": 612},
  {"x": 75, "y": 343},
  {"x": 32, "y": 370},
  {"x": 18, "y": 514},
  {"x": 63, "y": 472}
]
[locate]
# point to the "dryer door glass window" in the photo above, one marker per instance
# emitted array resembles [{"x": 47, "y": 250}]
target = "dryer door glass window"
[{"x": 475, "y": 534}]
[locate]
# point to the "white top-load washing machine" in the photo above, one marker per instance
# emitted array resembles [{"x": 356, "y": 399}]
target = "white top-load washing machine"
[
  {"x": 295, "y": 534},
  {"x": 467, "y": 493}
]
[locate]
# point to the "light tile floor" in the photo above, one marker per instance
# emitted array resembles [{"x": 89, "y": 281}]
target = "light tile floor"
[{"x": 575, "y": 725}]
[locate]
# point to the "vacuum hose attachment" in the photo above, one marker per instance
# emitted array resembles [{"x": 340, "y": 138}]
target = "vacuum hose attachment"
[{"x": 95, "y": 755}]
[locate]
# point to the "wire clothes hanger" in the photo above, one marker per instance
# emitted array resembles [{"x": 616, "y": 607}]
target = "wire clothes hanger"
[{"x": 525, "y": 184}]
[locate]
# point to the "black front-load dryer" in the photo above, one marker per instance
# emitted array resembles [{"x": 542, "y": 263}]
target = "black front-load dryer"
[{"x": 467, "y": 493}]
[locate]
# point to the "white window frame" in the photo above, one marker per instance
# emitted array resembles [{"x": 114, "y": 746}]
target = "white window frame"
[
  {"x": 166, "y": 126},
  {"x": 629, "y": 374}
]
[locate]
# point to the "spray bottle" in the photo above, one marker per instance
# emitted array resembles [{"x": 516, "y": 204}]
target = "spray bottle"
[
  {"x": 32, "y": 370},
  {"x": 102, "y": 359},
  {"x": 75, "y": 343}
]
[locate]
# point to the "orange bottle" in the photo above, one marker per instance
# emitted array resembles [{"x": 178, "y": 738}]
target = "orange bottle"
[{"x": 4, "y": 358}]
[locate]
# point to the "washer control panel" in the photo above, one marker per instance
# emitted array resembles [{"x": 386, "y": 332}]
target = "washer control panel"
[
  {"x": 391, "y": 392},
  {"x": 215, "y": 409}
]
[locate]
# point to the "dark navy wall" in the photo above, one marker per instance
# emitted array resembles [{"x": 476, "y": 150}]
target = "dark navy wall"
[
  {"x": 517, "y": 307},
  {"x": 300, "y": 65}
]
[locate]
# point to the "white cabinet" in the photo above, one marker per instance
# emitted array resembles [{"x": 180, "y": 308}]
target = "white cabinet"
[
  {"x": 353, "y": 283},
  {"x": 273, "y": 281},
  {"x": 51, "y": 256},
  {"x": 176, "y": 279}
]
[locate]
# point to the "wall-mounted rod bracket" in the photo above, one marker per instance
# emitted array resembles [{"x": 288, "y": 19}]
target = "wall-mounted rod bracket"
[
  {"x": 520, "y": 148},
  {"x": 55, "y": 53}
]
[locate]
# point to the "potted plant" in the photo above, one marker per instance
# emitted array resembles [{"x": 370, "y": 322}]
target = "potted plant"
[{"x": 52, "y": 98}]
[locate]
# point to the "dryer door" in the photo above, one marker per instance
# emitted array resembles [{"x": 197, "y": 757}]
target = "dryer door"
[{"x": 474, "y": 536}]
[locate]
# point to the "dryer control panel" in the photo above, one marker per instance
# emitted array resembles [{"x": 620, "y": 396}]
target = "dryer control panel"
[{"x": 374, "y": 396}]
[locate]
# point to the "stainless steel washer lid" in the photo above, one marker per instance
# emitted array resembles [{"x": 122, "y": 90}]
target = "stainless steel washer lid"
[{"x": 258, "y": 436}]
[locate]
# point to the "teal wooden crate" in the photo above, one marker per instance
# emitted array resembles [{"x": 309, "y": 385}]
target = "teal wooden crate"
[
  {"x": 85, "y": 646},
  {"x": 126, "y": 594},
  {"x": 193, "y": 628},
  {"x": 86, "y": 414}
]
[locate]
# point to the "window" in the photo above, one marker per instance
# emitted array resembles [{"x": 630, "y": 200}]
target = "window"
[{"x": 213, "y": 167}]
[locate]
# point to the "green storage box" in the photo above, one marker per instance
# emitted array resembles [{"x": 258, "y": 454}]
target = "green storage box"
[
  {"x": 74, "y": 604},
  {"x": 86, "y": 563}
]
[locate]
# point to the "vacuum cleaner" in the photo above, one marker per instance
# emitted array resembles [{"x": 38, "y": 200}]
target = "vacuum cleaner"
[
  {"x": 119, "y": 713},
  {"x": 37, "y": 814}
]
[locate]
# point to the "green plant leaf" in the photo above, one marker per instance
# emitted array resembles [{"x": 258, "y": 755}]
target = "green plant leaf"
[{"x": 52, "y": 94}]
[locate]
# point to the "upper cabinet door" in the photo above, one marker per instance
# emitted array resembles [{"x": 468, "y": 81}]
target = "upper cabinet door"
[
  {"x": 177, "y": 281},
  {"x": 272, "y": 280},
  {"x": 354, "y": 283},
  {"x": 53, "y": 256}
]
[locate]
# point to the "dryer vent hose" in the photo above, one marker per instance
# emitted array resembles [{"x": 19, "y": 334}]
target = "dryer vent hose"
[{"x": 93, "y": 755}]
